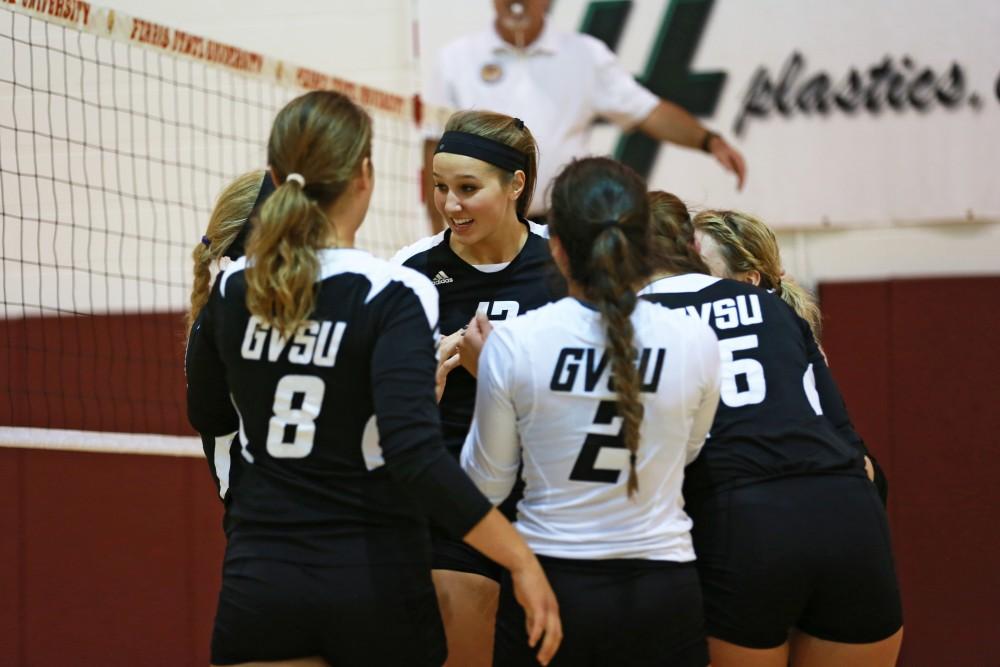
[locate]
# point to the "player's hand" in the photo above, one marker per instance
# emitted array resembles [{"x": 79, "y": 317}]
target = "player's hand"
[
  {"x": 869, "y": 469},
  {"x": 476, "y": 333},
  {"x": 541, "y": 610},
  {"x": 729, "y": 158},
  {"x": 441, "y": 376},
  {"x": 448, "y": 360}
]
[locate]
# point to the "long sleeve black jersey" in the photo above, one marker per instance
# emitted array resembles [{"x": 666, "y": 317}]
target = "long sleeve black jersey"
[
  {"x": 338, "y": 428},
  {"x": 529, "y": 281},
  {"x": 780, "y": 412}
]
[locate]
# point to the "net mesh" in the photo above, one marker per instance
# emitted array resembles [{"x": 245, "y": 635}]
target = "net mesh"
[{"x": 111, "y": 155}]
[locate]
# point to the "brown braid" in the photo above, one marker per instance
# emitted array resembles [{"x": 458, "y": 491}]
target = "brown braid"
[
  {"x": 611, "y": 260},
  {"x": 673, "y": 235},
  {"x": 600, "y": 216}
]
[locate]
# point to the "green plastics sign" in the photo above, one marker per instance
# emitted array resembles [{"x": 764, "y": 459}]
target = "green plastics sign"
[{"x": 849, "y": 113}]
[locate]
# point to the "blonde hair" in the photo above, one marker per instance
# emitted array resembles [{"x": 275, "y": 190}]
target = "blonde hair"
[
  {"x": 232, "y": 208},
  {"x": 506, "y": 130},
  {"x": 324, "y": 137},
  {"x": 747, "y": 244}
]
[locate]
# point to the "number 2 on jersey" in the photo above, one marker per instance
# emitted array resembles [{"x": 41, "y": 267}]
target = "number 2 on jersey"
[
  {"x": 753, "y": 388},
  {"x": 292, "y": 429},
  {"x": 584, "y": 469}
]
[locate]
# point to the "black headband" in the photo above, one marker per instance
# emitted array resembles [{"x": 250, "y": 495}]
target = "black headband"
[
  {"x": 496, "y": 153},
  {"x": 237, "y": 248}
]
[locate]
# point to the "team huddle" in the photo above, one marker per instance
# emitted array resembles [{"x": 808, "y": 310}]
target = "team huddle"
[{"x": 608, "y": 440}]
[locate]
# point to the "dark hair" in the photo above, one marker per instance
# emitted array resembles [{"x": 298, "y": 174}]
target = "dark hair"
[
  {"x": 600, "y": 216},
  {"x": 672, "y": 241},
  {"x": 509, "y": 131},
  {"x": 324, "y": 137}
]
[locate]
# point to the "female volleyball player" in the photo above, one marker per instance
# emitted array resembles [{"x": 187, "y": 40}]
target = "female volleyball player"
[
  {"x": 739, "y": 246},
  {"x": 221, "y": 244},
  {"x": 604, "y": 399},
  {"x": 489, "y": 259},
  {"x": 327, "y": 356},
  {"x": 792, "y": 541}
]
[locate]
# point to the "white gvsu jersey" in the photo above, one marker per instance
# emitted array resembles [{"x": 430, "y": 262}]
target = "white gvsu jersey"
[{"x": 544, "y": 396}]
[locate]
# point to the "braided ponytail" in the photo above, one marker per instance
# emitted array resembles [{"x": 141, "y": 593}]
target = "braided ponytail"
[
  {"x": 673, "y": 246},
  {"x": 600, "y": 216},
  {"x": 230, "y": 214},
  {"x": 610, "y": 261}
]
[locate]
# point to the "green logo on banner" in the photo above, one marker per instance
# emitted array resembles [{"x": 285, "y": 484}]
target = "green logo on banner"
[{"x": 668, "y": 69}]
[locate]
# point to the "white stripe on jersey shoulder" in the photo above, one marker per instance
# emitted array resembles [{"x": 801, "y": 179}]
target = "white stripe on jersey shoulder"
[
  {"x": 426, "y": 243},
  {"x": 423, "y": 245},
  {"x": 380, "y": 273},
  {"x": 687, "y": 282},
  {"x": 541, "y": 230},
  {"x": 234, "y": 267}
]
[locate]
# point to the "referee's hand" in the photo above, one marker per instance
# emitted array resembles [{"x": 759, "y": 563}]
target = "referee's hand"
[{"x": 729, "y": 158}]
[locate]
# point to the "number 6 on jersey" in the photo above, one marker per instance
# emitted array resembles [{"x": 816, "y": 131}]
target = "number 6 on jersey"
[
  {"x": 753, "y": 388},
  {"x": 292, "y": 429}
]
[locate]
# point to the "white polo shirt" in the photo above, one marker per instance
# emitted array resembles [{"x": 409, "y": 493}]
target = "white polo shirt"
[{"x": 558, "y": 85}]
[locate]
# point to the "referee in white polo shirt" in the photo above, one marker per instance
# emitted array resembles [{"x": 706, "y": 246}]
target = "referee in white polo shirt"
[{"x": 558, "y": 83}]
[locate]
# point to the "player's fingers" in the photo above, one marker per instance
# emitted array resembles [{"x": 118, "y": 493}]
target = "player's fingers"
[
  {"x": 740, "y": 167},
  {"x": 553, "y": 636},
  {"x": 449, "y": 364},
  {"x": 534, "y": 624},
  {"x": 473, "y": 332},
  {"x": 448, "y": 346}
]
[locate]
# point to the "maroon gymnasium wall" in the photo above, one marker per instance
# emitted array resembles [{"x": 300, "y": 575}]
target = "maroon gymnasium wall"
[
  {"x": 918, "y": 362},
  {"x": 108, "y": 559}
]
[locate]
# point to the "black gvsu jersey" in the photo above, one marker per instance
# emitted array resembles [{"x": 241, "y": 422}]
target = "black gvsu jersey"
[
  {"x": 529, "y": 281},
  {"x": 337, "y": 425},
  {"x": 219, "y": 449},
  {"x": 780, "y": 413}
]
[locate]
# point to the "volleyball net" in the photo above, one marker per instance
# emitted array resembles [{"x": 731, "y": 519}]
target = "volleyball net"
[{"x": 116, "y": 135}]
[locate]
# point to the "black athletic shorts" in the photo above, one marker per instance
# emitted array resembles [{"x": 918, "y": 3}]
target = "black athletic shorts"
[
  {"x": 809, "y": 552},
  {"x": 626, "y": 613},
  {"x": 451, "y": 554},
  {"x": 367, "y": 615}
]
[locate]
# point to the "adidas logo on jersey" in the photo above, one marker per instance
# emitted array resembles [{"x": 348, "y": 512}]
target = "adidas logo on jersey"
[{"x": 441, "y": 278}]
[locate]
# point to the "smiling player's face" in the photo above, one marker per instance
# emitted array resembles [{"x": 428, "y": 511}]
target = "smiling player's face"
[{"x": 473, "y": 197}]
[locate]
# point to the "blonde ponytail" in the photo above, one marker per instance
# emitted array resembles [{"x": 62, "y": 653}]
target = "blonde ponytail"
[
  {"x": 324, "y": 138},
  {"x": 232, "y": 208}
]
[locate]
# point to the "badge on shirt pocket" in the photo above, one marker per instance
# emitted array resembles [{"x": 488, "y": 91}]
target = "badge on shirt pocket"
[{"x": 491, "y": 72}]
